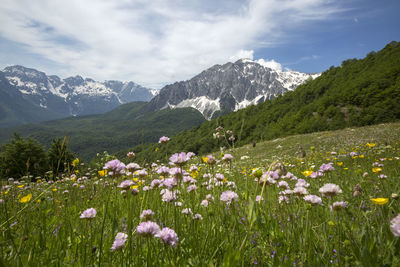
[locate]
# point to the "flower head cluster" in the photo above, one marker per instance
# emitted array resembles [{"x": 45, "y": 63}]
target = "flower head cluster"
[
  {"x": 126, "y": 184},
  {"x": 328, "y": 167},
  {"x": 227, "y": 158},
  {"x": 338, "y": 205},
  {"x": 119, "y": 241},
  {"x": 146, "y": 215},
  {"x": 147, "y": 229},
  {"x": 133, "y": 166},
  {"x": 179, "y": 159},
  {"x": 88, "y": 214},
  {"x": 313, "y": 199},
  {"x": 395, "y": 225},
  {"x": 330, "y": 190},
  {"x": 228, "y": 197},
  {"x": 163, "y": 140},
  {"x": 168, "y": 236},
  {"x": 130, "y": 155},
  {"x": 116, "y": 166}
]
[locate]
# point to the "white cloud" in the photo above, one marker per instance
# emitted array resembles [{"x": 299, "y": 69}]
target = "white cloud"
[
  {"x": 272, "y": 64},
  {"x": 151, "y": 42},
  {"x": 249, "y": 54}
]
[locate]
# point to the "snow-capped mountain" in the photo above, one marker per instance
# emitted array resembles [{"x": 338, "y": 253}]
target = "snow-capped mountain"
[
  {"x": 73, "y": 95},
  {"x": 228, "y": 87}
]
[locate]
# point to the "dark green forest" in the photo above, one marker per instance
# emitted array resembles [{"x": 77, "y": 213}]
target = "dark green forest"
[
  {"x": 357, "y": 93},
  {"x": 125, "y": 126}
]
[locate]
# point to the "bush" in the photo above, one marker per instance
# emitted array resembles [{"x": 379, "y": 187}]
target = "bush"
[{"x": 22, "y": 157}]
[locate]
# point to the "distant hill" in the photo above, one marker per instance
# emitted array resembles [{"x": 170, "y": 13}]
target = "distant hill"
[
  {"x": 123, "y": 127},
  {"x": 359, "y": 92}
]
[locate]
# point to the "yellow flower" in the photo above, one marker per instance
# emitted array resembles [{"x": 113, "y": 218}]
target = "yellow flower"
[
  {"x": 5, "y": 192},
  {"x": 307, "y": 173},
  {"x": 204, "y": 159},
  {"x": 330, "y": 223},
  {"x": 194, "y": 174},
  {"x": 20, "y": 186},
  {"x": 156, "y": 149},
  {"x": 361, "y": 156},
  {"x": 38, "y": 201},
  {"x": 339, "y": 163},
  {"x": 370, "y": 145},
  {"x": 77, "y": 171},
  {"x": 376, "y": 169},
  {"x": 26, "y": 198},
  {"x": 379, "y": 201},
  {"x": 102, "y": 173},
  {"x": 54, "y": 189},
  {"x": 39, "y": 181},
  {"x": 345, "y": 168},
  {"x": 75, "y": 162}
]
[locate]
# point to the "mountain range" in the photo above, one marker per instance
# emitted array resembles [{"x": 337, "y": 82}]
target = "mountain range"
[
  {"x": 229, "y": 87},
  {"x": 31, "y": 96}
]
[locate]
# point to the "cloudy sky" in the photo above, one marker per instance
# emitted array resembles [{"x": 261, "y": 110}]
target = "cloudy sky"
[{"x": 156, "y": 42}]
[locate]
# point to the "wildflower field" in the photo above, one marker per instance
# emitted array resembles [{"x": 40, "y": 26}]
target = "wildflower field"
[{"x": 334, "y": 204}]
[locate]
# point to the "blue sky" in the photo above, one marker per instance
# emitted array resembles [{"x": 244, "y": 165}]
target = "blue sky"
[{"x": 158, "y": 42}]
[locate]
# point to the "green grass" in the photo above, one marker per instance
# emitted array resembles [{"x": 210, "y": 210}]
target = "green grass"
[{"x": 47, "y": 230}]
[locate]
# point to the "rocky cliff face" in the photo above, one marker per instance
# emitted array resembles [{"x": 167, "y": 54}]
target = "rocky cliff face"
[{"x": 228, "y": 87}]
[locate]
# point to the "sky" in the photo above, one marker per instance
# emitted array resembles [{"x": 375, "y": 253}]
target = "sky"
[{"x": 159, "y": 42}]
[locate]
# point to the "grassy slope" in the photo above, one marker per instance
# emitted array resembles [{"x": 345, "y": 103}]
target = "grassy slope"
[{"x": 360, "y": 92}]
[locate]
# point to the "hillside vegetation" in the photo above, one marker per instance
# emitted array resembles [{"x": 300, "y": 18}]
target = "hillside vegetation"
[
  {"x": 359, "y": 92},
  {"x": 123, "y": 127}
]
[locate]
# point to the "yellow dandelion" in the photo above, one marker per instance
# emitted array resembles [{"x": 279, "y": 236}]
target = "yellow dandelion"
[
  {"x": 339, "y": 163},
  {"x": 102, "y": 173},
  {"x": 379, "y": 201},
  {"x": 26, "y": 198},
  {"x": 204, "y": 159},
  {"x": 54, "y": 189},
  {"x": 370, "y": 145},
  {"x": 361, "y": 156},
  {"x": 307, "y": 173},
  {"x": 75, "y": 162},
  {"x": 20, "y": 186},
  {"x": 376, "y": 169}
]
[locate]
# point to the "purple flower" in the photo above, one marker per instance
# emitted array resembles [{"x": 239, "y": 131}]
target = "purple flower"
[
  {"x": 205, "y": 203},
  {"x": 119, "y": 241},
  {"x": 211, "y": 160},
  {"x": 187, "y": 211},
  {"x": 162, "y": 170},
  {"x": 133, "y": 166},
  {"x": 219, "y": 176},
  {"x": 126, "y": 184},
  {"x": 316, "y": 174},
  {"x": 88, "y": 214},
  {"x": 299, "y": 190},
  {"x": 353, "y": 154},
  {"x": 328, "y": 167},
  {"x": 228, "y": 197},
  {"x": 259, "y": 198},
  {"x": 177, "y": 173},
  {"x": 179, "y": 159},
  {"x": 338, "y": 205},
  {"x": 116, "y": 166},
  {"x": 155, "y": 183},
  {"x": 163, "y": 140},
  {"x": 146, "y": 215},
  {"x": 168, "y": 236},
  {"x": 147, "y": 229},
  {"x": 130, "y": 155},
  {"x": 283, "y": 184},
  {"x": 313, "y": 199},
  {"x": 141, "y": 173},
  {"x": 395, "y": 225},
  {"x": 330, "y": 190},
  {"x": 191, "y": 188},
  {"x": 168, "y": 196},
  {"x": 227, "y": 157},
  {"x": 170, "y": 183}
]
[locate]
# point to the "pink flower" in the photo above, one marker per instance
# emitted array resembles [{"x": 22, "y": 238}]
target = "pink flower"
[
  {"x": 330, "y": 190},
  {"x": 228, "y": 197},
  {"x": 179, "y": 159},
  {"x": 227, "y": 158},
  {"x": 88, "y": 214},
  {"x": 146, "y": 215},
  {"x": 163, "y": 140},
  {"x": 126, "y": 184},
  {"x": 168, "y": 236},
  {"x": 119, "y": 241},
  {"x": 147, "y": 229},
  {"x": 395, "y": 225},
  {"x": 313, "y": 199},
  {"x": 130, "y": 155}
]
